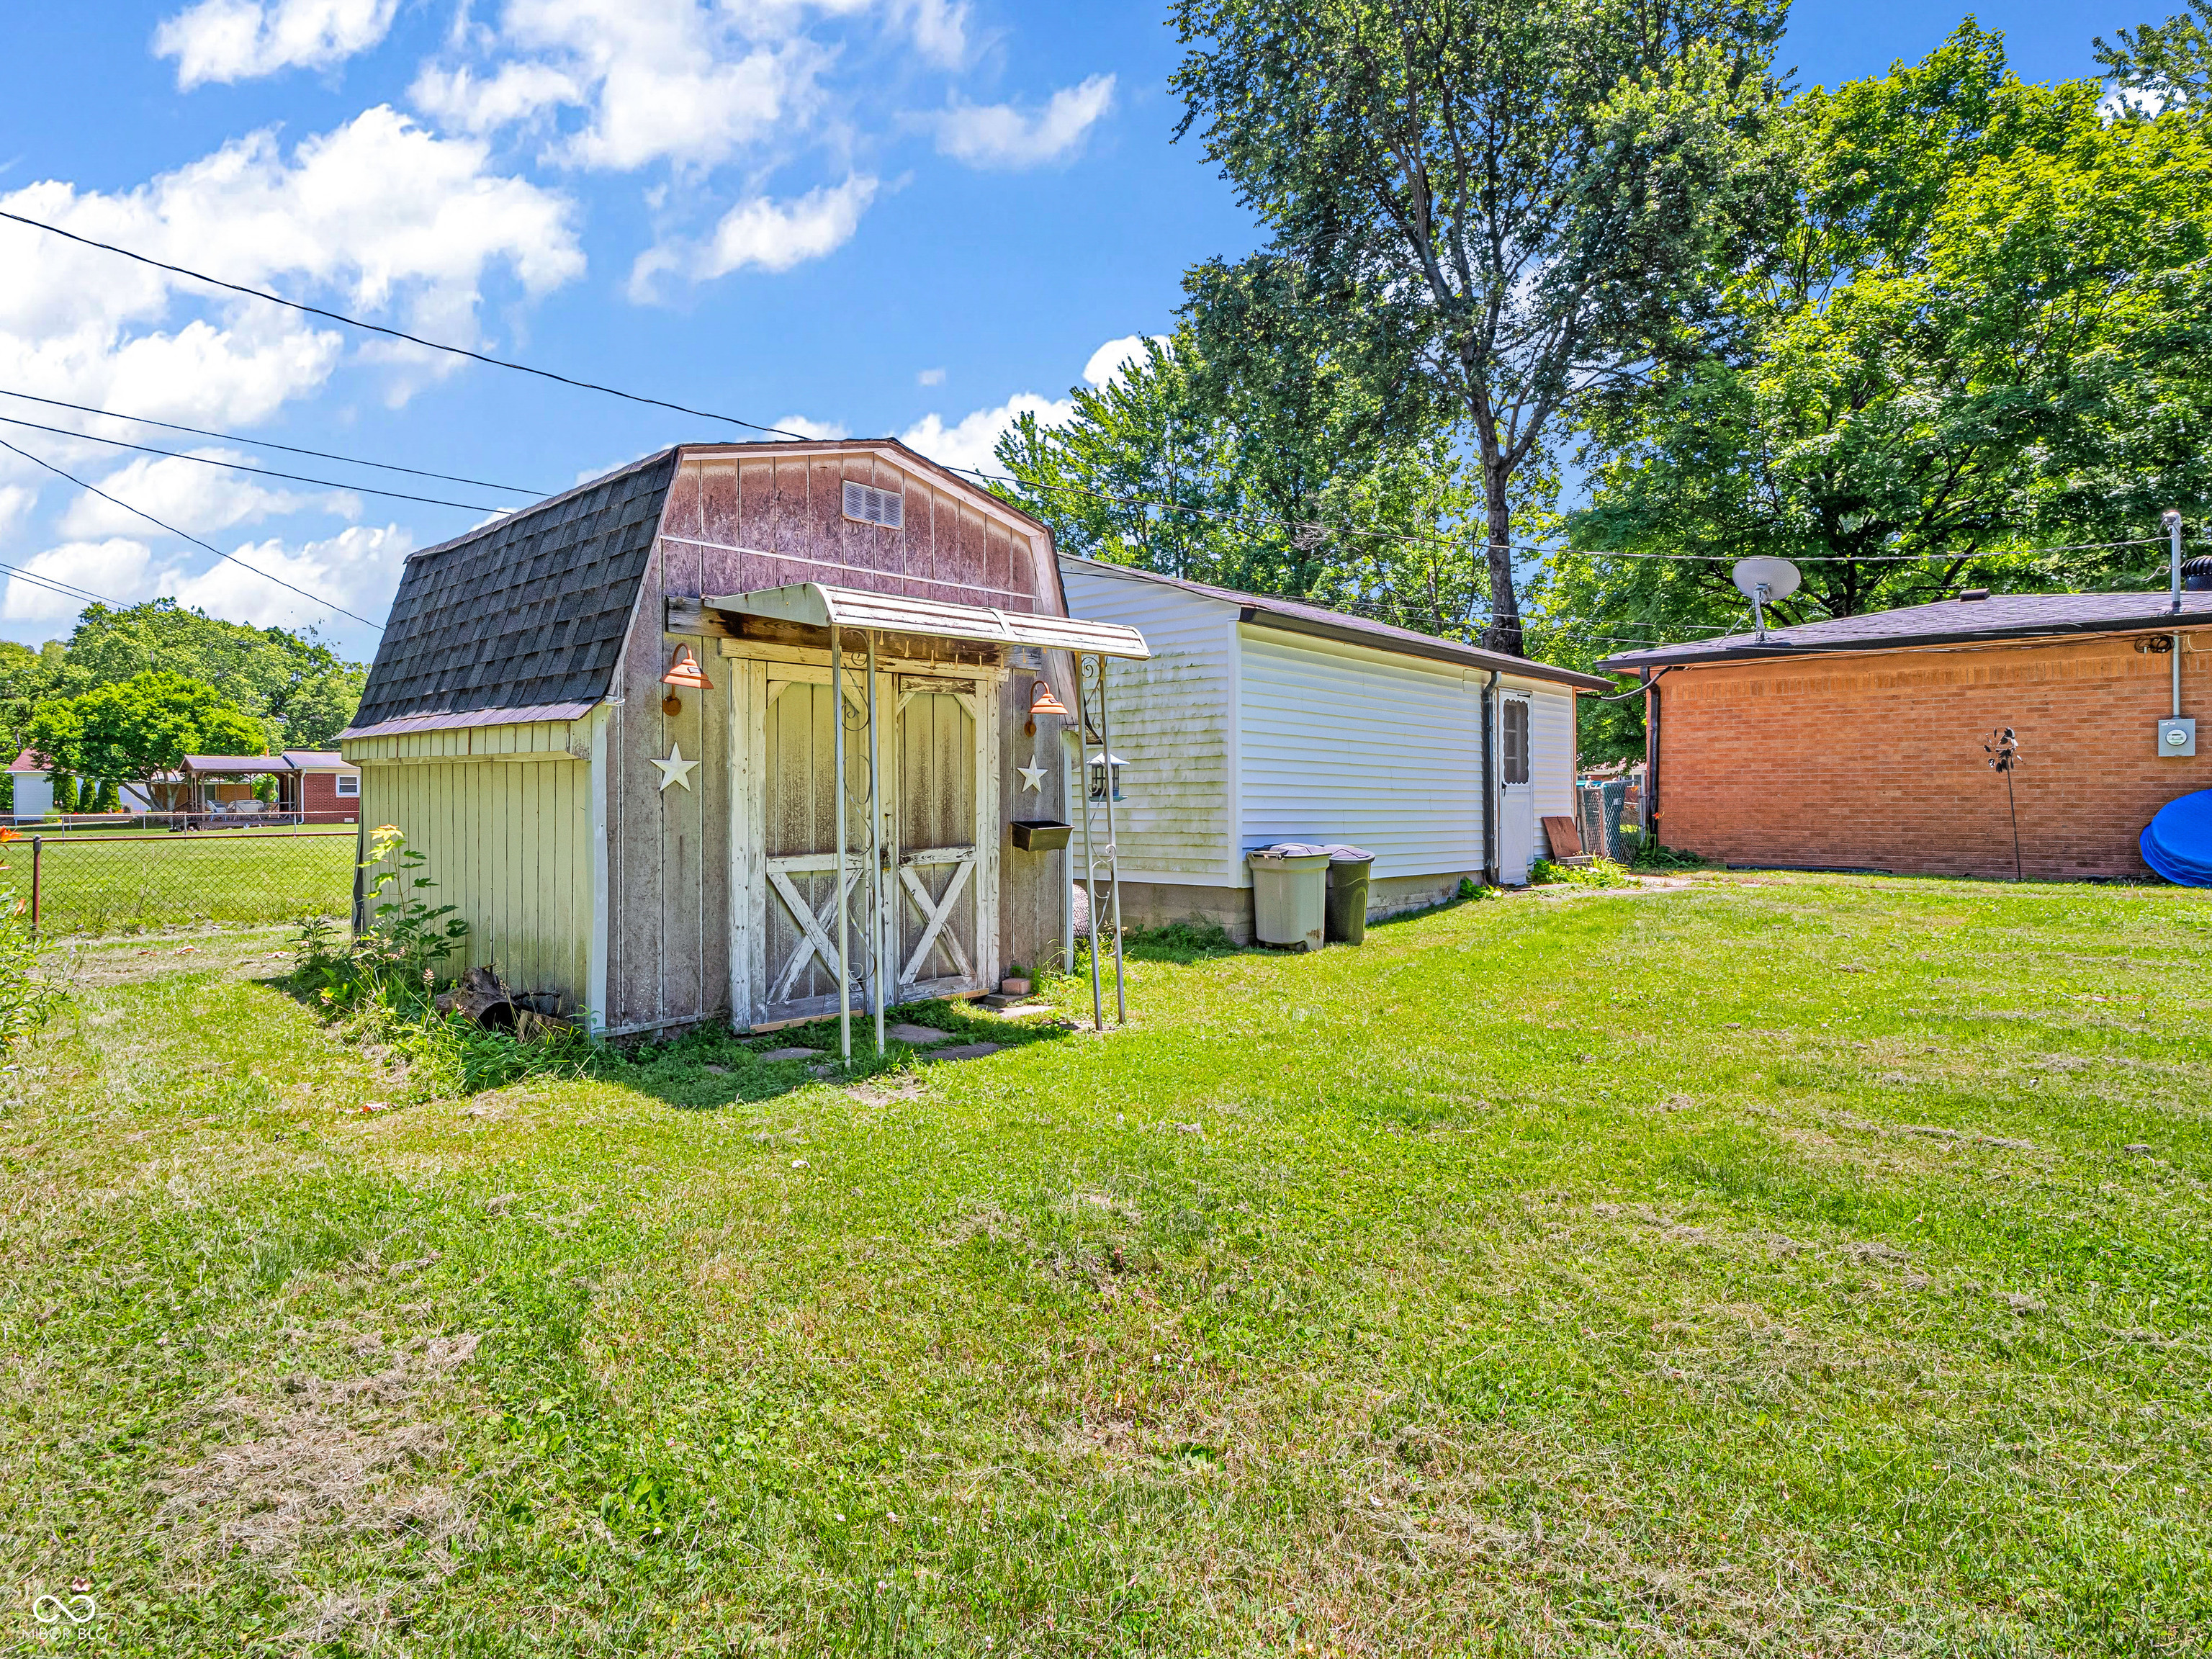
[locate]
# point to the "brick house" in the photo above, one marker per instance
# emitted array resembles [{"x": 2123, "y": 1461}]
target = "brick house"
[{"x": 1857, "y": 743}]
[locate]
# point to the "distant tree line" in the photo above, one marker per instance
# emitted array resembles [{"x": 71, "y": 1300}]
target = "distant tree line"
[{"x": 133, "y": 690}]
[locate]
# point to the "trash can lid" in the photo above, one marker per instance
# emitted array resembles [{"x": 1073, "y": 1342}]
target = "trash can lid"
[
  {"x": 1290, "y": 849},
  {"x": 1340, "y": 852}
]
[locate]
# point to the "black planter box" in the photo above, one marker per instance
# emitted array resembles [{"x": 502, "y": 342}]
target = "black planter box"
[{"x": 1041, "y": 835}]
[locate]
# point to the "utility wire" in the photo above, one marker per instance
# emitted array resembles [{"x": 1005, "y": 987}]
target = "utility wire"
[
  {"x": 982, "y": 476},
  {"x": 229, "y": 558},
  {"x": 264, "y": 443},
  {"x": 240, "y": 467},
  {"x": 398, "y": 334},
  {"x": 61, "y": 588}
]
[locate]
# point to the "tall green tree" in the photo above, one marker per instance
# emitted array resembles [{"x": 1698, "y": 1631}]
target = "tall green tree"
[
  {"x": 1224, "y": 456},
  {"x": 1983, "y": 324},
  {"x": 302, "y": 691},
  {"x": 1484, "y": 207},
  {"x": 143, "y": 728}
]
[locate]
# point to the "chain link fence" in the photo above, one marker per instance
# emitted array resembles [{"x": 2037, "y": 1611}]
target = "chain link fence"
[{"x": 114, "y": 884}]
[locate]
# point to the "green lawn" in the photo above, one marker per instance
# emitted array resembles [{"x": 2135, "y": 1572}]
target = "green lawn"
[
  {"x": 160, "y": 879},
  {"x": 1771, "y": 1266}
]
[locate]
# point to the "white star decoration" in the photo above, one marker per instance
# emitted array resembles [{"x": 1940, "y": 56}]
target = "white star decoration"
[
  {"x": 1032, "y": 777},
  {"x": 675, "y": 768}
]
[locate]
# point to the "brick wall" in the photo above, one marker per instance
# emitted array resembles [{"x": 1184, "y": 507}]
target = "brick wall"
[
  {"x": 1876, "y": 760},
  {"x": 320, "y": 798}
]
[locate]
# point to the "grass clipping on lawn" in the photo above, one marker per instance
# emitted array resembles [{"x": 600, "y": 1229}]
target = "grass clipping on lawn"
[{"x": 1773, "y": 1265}]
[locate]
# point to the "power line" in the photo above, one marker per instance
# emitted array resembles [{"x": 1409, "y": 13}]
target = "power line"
[
  {"x": 398, "y": 334},
  {"x": 264, "y": 443},
  {"x": 61, "y": 588},
  {"x": 987, "y": 477},
  {"x": 141, "y": 513},
  {"x": 240, "y": 467}
]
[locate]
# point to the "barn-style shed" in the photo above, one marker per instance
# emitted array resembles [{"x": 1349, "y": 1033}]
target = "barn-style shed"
[
  {"x": 1260, "y": 719},
  {"x": 612, "y": 723}
]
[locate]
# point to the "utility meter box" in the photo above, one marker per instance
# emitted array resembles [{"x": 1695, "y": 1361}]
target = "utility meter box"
[{"x": 2177, "y": 737}]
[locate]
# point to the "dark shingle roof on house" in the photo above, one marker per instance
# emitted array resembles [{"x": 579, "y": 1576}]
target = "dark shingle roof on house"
[
  {"x": 1294, "y": 617},
  {"x": 1996, "y": 620},
  {"x": 523, "y": 614}
]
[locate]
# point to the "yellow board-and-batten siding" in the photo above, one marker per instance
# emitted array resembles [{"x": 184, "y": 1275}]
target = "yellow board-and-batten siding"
[{"x": 502, "y": 816}]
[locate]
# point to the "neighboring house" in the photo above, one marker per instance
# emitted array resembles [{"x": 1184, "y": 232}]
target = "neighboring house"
[
  {"x": 319, "y": 785},
  {"x": 33, "y": 785},
  {"x": 322, "y": 786},
  {"x": 1859, "y": 743},
  {"x": 661, "y": 852},
  {"x": 1261, "y": 719}
]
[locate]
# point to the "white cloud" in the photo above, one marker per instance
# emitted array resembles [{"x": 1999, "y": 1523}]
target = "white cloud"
[
  {"x": 239, "y": 39},
  {"x": 1000, "y": 136},
  {"x": 1116, "y": 357},
  {"x": 659, "y": 80},
  {"x": 939, "y": 28},
  {"x": 478, "y": 104},
  {"x": 969, "y": 442},
  {"x": 385, "y": 215},
  {"x": 810, "y": 428},
  {"x": 771, "y": 235},
  {"x": 358, "y": 567},
  {"x": 114, "y": 569},
  {"x": 930, "y": 377},
  {"x": 195, "y": 499},
  {"x": 15, "y": 503}
]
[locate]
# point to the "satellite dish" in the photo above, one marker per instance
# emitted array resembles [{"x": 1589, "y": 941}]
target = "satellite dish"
[
  {"x": 1762, "y": 581},
  {"x": 1777, "y": 576}
]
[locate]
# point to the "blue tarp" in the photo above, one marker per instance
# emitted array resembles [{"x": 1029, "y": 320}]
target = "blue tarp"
[{"x": 2178, "y": 842}]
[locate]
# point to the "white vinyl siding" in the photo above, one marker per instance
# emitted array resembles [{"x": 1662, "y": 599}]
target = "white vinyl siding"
[
  {"x": 1171, "y": 718},
  {"x": 1341, "y": 743},
  {"x": 1551, "y": 748}
]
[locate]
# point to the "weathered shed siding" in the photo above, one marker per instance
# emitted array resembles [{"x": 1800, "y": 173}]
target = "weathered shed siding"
[
  {"x": 1173, "y": 720},
  {"x": 1342, "y": 743},
  {"x": 502, "y": 816}
]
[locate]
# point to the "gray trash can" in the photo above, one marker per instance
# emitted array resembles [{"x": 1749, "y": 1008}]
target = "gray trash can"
[
  {"x": 1348, "y": 868},
  {"x": 1290, "y": 894}
]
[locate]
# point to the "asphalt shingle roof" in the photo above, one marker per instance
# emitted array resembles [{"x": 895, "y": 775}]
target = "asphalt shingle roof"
[
  {"x": 522, "y": 614},
  {"x": 2000, "y": 617}
]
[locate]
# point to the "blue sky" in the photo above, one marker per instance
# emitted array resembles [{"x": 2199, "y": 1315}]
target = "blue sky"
[{"x": 867, "y": 217}]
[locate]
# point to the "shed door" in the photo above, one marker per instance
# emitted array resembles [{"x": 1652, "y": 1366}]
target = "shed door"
[
  {"x": 793, "y": 901},
  {"x": 942, "y": 881}
]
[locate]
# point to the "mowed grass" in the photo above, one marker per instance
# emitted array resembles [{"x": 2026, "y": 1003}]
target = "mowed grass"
[
  {"x": 1771, "y": 1266},
  {"x": 154, "y": 880}
]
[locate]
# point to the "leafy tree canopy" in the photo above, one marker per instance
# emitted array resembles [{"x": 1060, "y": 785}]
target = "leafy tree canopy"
[
  {"x": 2158, "y": 65},
  {"x": 1232, "y": 455},
  {"x": 302, "y": 691},
  {"x": 139, "y": 728},
  {"x": 1482, "y": 207},
  {"x": 1981, "y": 323}
]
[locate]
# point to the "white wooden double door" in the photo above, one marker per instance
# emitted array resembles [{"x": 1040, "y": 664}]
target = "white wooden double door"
[{"x": 929, "y": 842}]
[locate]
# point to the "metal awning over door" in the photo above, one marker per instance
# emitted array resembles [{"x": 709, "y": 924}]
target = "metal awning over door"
[{"x": 818, "y": 605}]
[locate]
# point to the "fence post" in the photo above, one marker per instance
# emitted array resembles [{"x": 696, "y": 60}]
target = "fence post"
[{"x": 38, "y": 846}]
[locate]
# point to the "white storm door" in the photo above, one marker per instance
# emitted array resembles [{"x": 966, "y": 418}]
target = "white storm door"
[
  {"x": 1517, "y": 807},
  {"x": 942, "y": 812}
]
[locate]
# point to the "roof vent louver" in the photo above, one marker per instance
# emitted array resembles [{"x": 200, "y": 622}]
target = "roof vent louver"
[
  {"x": 883, "y": 507},
  {"x": 1973, "y": 592}
]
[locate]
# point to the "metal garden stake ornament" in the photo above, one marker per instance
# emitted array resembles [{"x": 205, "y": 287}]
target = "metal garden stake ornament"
[{"x": 2003, "y": 751}]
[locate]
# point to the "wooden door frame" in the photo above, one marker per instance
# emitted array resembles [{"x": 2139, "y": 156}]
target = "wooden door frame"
[{"x": 751, "y": 668}]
